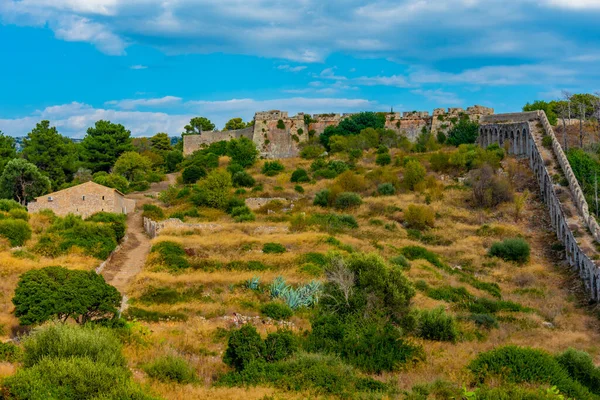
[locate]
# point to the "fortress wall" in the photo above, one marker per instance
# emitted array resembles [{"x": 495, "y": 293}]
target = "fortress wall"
[
  {"x": 192, "y": 143},
  {"x": 522, "y": 142}
]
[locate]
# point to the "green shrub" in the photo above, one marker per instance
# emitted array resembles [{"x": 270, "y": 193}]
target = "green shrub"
[
  {"x": 172, "y": 255},
  {"x": 272, "y": 168},
  {"x": 383, "y": 159},
  {"x": 323, "y": 198},
  {"x": 214, "y": 190},
  {"x": 419, "y": 217},
  {"x": 464, "y": 132},
  {"x": 242, "y": 151},
  {"x": 115, "y": 221},
  {"x": 193, "y": 174},
  {"x": 72, "y": 379},
  {"x": 437, "y": 325},
  {"x": 277, "y": 311},
  {"x": 414, "y": 173},
  {"x": 311, "y": 151},
  {"x": 160, "y": 295},
  {"x": 486, "y": 321},
  {"x": 280, "y": 124},
  {"x": 153, "y": 212},
  {"x": 547, "y": 141},
  {"x": 299, "y": 189},
  {"x": 400, "y": 261},
  {"x": 18, "y": 213},
  {"x": 525, "y": 365},
  {"x": 244, "y": 347},
  {"x": 139, "y": 186},
  {"x": 171, "y": 369},
  {"x": 16, "y": 231},
  {"x": 386, "y": 189},
  {"x": 580, "y": 366},
  {"x": 300, "y": 176},
  {"x": 243, "y": 179},
  {"x": 65, "y": 341},
  {"x": 9, "y": 352},
  {"x": 140, "y": 314},
  {"x": 516, "y": 250},
  {"x": 280, "y": 345},
  {"x": 273, "y": 248},
  {"x": 334, "y": 222},
  {"x": 9, "y": 205},
  {"x": 347, "y": 200}
]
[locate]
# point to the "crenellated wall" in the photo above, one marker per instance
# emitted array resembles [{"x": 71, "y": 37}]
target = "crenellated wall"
[
  {"x": 277, "y": 135},
  {"x": 519, "y": 133}
]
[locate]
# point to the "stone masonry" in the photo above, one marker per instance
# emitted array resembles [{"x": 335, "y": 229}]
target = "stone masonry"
[
  {"x": 277, "y": 135},
  {"x": 84, "y": 200},
  {"x": 575, "y": 227}
]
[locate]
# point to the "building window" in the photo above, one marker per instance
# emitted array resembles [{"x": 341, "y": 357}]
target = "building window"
[
  {"x": 102, "y": 197},
  {"x": 50, "y": 198},
  {"x": 82, "y": 197}
]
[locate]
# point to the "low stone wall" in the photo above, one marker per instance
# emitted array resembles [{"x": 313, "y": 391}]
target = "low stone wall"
[
  {"x": 522, "y": 142},
  {"x": 509, "y": 118},
  {"x": 153, "y": 228}
]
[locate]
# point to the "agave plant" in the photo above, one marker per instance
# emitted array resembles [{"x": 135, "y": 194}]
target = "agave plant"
[
  {"x": 253, "y": 283},
  {"x": 278, "y": 287},
  {"x": 292, "y": 298}
]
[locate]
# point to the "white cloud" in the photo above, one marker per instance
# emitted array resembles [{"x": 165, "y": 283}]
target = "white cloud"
[
  {"x": 138, "y": 66},
  {"x": 73, "y": 119},
  {"x": 287, "y": 67},
  {"x": 394, "y": 80},
  {"x": 130, "y": 104},
  {"x": 575, "y": 4}
]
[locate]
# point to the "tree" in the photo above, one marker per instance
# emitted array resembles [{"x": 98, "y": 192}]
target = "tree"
[
  {"x": 213, "y": 191},
  {"x": 198, "y": 125},
  {"x": 23, "y": 181},
  {"x": 465, "y": 132},
  {"x": 56, "y": 292},
  {"x": 55, "y": 155},
  {"x": 234, "y": 124},
  {"x": 112, "y": 181},
  {"x": 414, "y": 173},
  {"x": 242, "y": 151},
  {"x": 8, "y": 149},
  {"x": 173, "y": 159},
  {"x": 353, "y": 125},
  {"x": 547, "y": 107},
  {"x": 104, "y": 144},
  {"x": 161, "y": 143},
  {"x": 132, "y": 166}
]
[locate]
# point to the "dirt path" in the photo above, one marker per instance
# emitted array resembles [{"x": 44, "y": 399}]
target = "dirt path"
[{"x": 129, "y": 260}]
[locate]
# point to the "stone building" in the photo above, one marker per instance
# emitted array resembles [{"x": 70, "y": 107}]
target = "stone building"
[{"x": 84, "y": 200}]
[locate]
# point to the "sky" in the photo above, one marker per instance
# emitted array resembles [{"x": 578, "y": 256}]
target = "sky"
[{"x": 151, "y": 65}]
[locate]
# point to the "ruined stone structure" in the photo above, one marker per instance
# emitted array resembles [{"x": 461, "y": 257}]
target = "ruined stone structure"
[
  {"x": 576, "y": 229},
  {"x": 277, "y": 135},
  {"x": 85, "y": 199}
]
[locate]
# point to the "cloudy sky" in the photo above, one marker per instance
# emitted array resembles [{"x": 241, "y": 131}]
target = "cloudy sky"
[{"x": 153, "y": 64}]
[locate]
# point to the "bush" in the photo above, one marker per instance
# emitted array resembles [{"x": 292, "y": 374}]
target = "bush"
[
  {"x": 486, "y": 321},
  {"x": 277, "y": 311},
  {"x": 299, "y": 189},
  {"x": 273, "y": 248},
  {"x": 18, "y": 213},
  {"x": 153, "y": 212},
  {"x": 580, "y": 366},
  {"x": 323, "y": 198},
  {"x": 171, "y": 369},
  {"x": 520, "y": 364},
  {"x": 414, "y": 173},
  {"x": 419, "y": 217},
  {"x": 139, "y": 186},
  {"x": 9, "y": 205},
  {"x": 242, "y": 214},
  {"x": 280, "y": 345},
  {"x": 16, "y": 231},
  {"x": 383, "y": 159},
  {"x": 9, "y": 352},
  {"x": 547, "y": 141},
  {"x": 516, "y": 250},
  {"x": 311, "y": 151},
  {"x": 100, "y": 345},
  {"x": 272, "y": 168},
  {"x": 299, "y": 176},
  {"x": 244, "y": 347},
  {"x": 334, "y": 222},
  {"x": 437, "y": 325},
  {"x": 171, "y": 255},
  {"x": 489, "y": 189},
  {"x": 400, "y": 261},
  {"x": 386, "y": 189},
  {"x": 243, "y": 179},
  {"x": 242, "y": 151},
  {"x": 213, "y": 191},
  {"x": 115, "y": 221},
  {"x": 347, "y": 200}
]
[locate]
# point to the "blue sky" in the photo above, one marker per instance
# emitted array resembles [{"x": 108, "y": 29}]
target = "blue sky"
[{"x": 153, "y": 64}]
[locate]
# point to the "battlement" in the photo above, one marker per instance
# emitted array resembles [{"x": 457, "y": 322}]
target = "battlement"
[{"x": 273, "y": 114}]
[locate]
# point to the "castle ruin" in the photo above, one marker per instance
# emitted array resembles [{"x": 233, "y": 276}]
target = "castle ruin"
[{"x": 277, "y": 135}]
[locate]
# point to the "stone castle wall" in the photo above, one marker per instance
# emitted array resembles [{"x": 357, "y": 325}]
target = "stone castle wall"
[
  {"x": 277, "y": 135},
  {"x": 515, "y": 132}
]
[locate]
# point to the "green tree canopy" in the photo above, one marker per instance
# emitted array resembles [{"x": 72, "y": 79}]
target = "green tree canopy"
[
  {"x": 8, "y": 149},
  {"x": 161, "y": 143},
  {"x": 132, "y": 166},
  {"x": 22, "y": 181},
  {"x": 55, "y": 155},
  {"x": 56, "y": 292},
  {"x": 103, "y": 144},
  {"x": 242, "y": 151},
  {"x": 464, "y": 132},
  {"x": 548, "y": 107},
  {"x": 198, "y": 125},
  {"x": 353, "y": 125},
  {"x": 172, "y": 160},
  {"x": 236, "y": 123}
]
